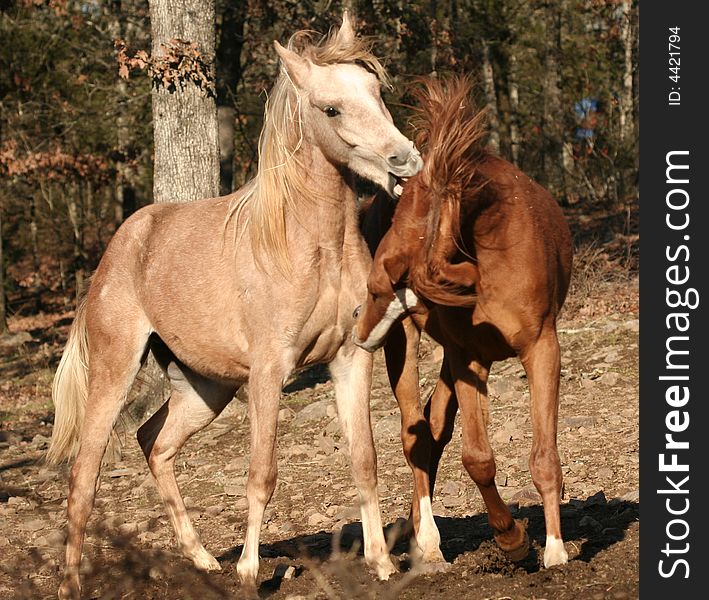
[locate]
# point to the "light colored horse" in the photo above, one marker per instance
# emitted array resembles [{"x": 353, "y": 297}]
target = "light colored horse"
[{"x": 245, "y": 288}]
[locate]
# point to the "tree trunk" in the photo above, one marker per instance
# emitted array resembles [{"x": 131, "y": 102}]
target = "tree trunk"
[
  {"x": 553, "y": 153},
  {"x": 491, "y": 99},
  {"x": 185, "y": 136},
  {"x": 3, "y": 310},
  {"x": 513, "y": 91},
  {"x": 627, "y": 34},
  {"x": 184, "y": 114}
]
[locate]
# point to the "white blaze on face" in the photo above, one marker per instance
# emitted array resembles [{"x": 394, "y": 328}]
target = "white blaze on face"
[{"x": 404, "y": 300}]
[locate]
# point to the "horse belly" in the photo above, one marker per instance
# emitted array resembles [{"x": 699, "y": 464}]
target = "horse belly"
[{"x": 462, "y": 328}]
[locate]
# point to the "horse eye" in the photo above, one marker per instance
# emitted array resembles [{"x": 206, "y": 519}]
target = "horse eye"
[
  {"x": 356, "y": 311},
  {"x": 331, "y": 111}
]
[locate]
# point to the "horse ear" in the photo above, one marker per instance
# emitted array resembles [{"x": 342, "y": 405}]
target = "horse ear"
[
  {"x": 346, "y": 34},
  {"x": 297, "y": 67}
]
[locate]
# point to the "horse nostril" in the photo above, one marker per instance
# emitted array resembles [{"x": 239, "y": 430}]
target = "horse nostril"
[
  {"x": 356, "y": 311},
  {"x": 399, "y": 160}
]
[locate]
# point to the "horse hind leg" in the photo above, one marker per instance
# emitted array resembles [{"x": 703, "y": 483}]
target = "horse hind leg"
[
  {"x": 478, "y": 459},
  {"x": 114, "y": 364},
  {"x": 542, "y": 363},
  {"x": 193, "y": 404}
]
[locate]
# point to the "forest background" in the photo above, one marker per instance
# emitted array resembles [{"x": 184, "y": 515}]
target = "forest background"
[{"x": 559, "y": 80}]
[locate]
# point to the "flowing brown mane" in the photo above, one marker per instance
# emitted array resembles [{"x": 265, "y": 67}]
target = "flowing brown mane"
[{"x": 451, "y": 130}]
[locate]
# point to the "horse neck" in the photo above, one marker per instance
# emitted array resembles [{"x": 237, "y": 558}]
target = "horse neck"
[{"x": 330, "y": 215}]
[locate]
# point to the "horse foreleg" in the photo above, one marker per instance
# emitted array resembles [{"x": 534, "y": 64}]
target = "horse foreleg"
[
  {"x": 401, "y": 352},
  {"x": 264, "y": 394},
  {"x": 193, "y": 404},
  {"x": 352, "y": 375},
  {"x": 478, "y": 459},
  {"x": 542, "y": 363}
]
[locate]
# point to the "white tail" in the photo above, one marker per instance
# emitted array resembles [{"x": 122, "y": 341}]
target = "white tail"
[{"x": 70, "y": 390}]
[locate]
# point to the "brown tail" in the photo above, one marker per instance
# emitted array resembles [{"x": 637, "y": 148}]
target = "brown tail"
[{"x": 70, "y": 390}]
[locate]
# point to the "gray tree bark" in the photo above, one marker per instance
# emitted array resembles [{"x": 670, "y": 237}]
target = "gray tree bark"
[
  {"x": 185, "y": 115},
  {"x": 3, "y": 310},
  {"x": 552, "y": 120},
  {"x": 491, "y": 99},
  {"x": 627, "y": 34}
]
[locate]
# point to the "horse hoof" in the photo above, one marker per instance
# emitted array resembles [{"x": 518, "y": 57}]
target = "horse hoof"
[
  {"x": 515, "y": 542},
  {"x": 383, "y": 567},
  {"x": 440, "y": 566},
  {"x": 204, "y": 561},
  {"x": 69, "y": 589},
  {"x": 520, "y": 553},
  {"x": 433, "y": 557}
]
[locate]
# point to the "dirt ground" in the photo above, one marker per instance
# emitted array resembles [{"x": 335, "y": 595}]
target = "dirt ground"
[{"x": 312, "y": 537}]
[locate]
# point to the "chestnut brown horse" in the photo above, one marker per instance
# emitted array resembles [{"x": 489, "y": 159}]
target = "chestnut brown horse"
[
  {"x": 513, "y": 232},
  {"x": 245, "y": 288}
]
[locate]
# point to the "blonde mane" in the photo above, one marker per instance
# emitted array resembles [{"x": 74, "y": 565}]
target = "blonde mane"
[{"x": 281, "y": 180}]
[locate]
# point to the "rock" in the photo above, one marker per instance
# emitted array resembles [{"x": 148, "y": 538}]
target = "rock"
[
  {"x": 388, "y": 427},
  {"x": 508, "y": 432},
  {"x": 236, "y": 411},
  {"x": 632, "y": 325},
  {"x": 55, "y": 539},
  {"x": 633, "y": 496},
  {"x": 122, "y": 472},
  {"x": 348, "y": 514},
  {"x": 315, "y": 412},
  {"x": 609, "y": 378},
  {"x": 233, "y": 489},
  {"x": 587, "y": 383},
  {"x": 4, "y": 541},
  {"x": 214, "y": 510},
  {"x": 289, "y": 572},
  {"x": 39, "y": 441},
  {"x": 317, "y": 519},
  {"x": 241, "y": 504},
  {"x": 604, "y": 473},
  {"x": 238, "y": 464},
  {"x": 285, "y": 414},
  {"x": 611, "y": 357},
  {"x": 505, "y": 385},
  {"x": 128, "y": 528},
  {"x": 450, "y": 488},
  {"x": 333, "y": 427},
  {"x": 526, "y": 496},
  {"x": 15, "y": 339},
  {"x": 578, "y": 421},
  {"x": 298, "y": 450},
  {"x": 33, "y": 525},
  {"x": 452, "y": 501}
]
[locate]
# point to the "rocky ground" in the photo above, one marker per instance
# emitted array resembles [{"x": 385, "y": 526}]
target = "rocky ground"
[{"x": 311, "y": 537}]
